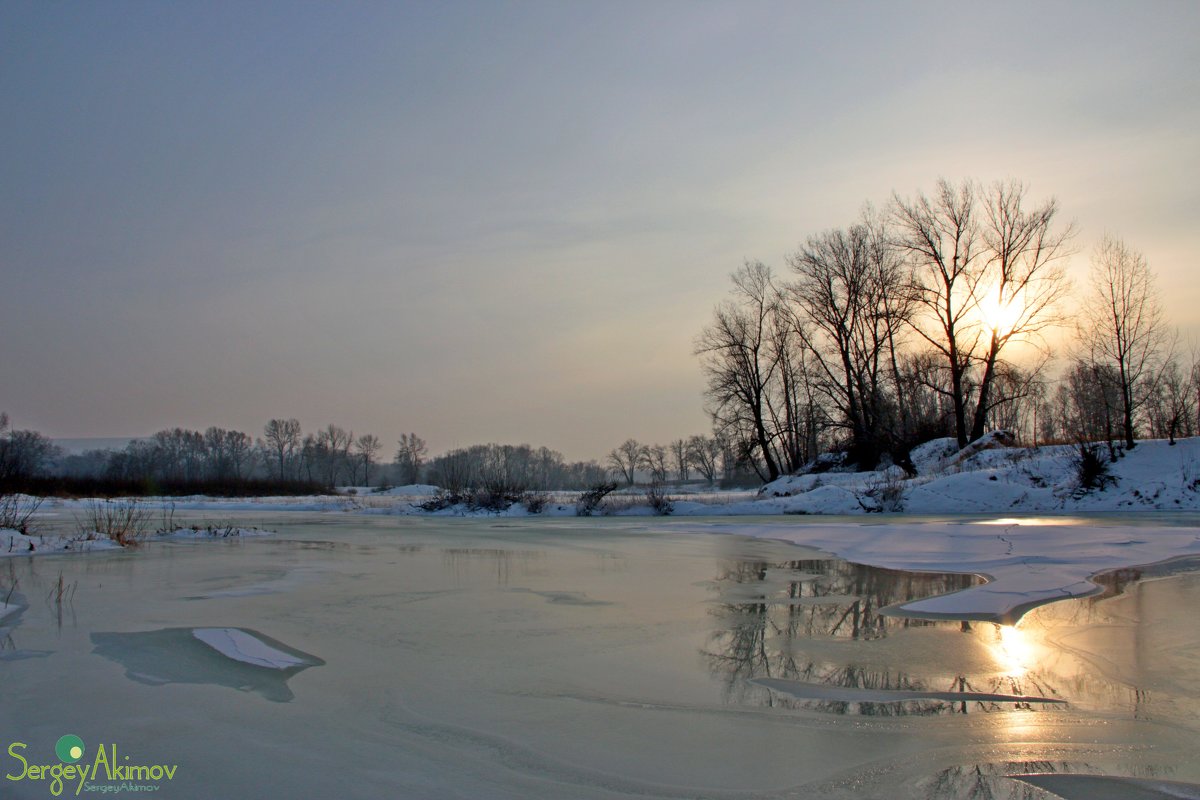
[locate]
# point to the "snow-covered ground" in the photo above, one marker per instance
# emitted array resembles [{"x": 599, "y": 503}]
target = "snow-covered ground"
[{"x": 1154, "y": 476}]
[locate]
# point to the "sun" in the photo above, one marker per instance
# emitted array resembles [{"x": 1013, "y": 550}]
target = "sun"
[{"x": 1001, "y": 315}]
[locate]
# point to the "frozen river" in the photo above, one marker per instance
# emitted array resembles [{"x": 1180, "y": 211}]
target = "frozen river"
[{"x": 368, "y": 657}]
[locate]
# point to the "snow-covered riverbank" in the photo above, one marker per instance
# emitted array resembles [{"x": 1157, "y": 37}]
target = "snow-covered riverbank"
[
  {"x": 1028, "y": 561},
  {"x": 1154, "y": 476}
]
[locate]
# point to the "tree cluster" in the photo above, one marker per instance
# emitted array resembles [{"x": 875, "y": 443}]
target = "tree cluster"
[
  {"x": 707, "y": 457},
  {"x": 905, "y": 326},
  {"x": 1126, "y": 376},
  {"x": 331, "y": 456},
  {"x": 23, "y": 454},
  {"x": 181, "y": 456},
  {"x": 510, "y": 470}
]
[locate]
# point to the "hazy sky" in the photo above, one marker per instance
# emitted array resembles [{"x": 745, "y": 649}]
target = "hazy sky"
[{"x": 508, "y": 221}]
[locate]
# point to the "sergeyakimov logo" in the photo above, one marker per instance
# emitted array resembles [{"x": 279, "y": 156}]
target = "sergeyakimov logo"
[{"x": 108, "y": 773}]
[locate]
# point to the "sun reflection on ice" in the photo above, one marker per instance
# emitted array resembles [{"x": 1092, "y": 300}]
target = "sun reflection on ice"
[
  {"x": 1016, "y": 655},
  {"x": 1032, "y": 521},
  {"x": 1013, "y": 650}
]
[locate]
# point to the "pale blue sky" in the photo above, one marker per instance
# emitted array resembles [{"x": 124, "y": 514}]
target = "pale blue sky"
[{"x": 508, "y": 221}]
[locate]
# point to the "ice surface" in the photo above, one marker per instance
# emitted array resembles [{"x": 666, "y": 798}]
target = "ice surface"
[{"x": 462, "y": 664}]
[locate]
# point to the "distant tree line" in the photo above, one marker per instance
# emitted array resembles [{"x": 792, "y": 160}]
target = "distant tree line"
[
  {"x": 905, "y": 327},
  {"x": 285, "y": 459}
]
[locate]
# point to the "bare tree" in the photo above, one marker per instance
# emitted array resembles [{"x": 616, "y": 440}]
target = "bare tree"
[
  {"x": 680, "y": 459},
  {"x": 1018, "y": 394},
  {"x": 654, "y": 460},
  {"x": 1089, "y": 402},
  {"x": 410, "y": 456},
  {"x": 1195, "y": 373},
  {"x": 850, "y": 292},
  {"x": 940, "y": 237},
  {"x": 1023, "y": 281},
  {"x": 795, "y": 410},
  {"x": 332, "y": 452},
  {"x": 925, "y": 392},
  {"x": 1121, "y": 324},
  {"x": 625, "y": 459},
  {"x": 307, "y": 461},
  {"x": 177, "y": 455},
  {"x": 1170, "y": 402},
  {"x": 282, "y": 438},
  {"x": 215, "y": 453},
  {"x": 366, "y": 446},
  {"x": 704, "y": 453},
  {"x": 502, "y": 470},
  {"x": 453, "y": 471},
  {"x": 742, "y": 365},
  {"x": 240, "y": 451},
  {"x": 986, "y": 271}
]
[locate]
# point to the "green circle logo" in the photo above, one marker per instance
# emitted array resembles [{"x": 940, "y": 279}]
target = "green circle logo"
[{"x": 69, "y": 749}]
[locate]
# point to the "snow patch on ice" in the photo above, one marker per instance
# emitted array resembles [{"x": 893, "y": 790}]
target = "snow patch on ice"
[
  {"x": 15, "y": 543},
  {"x": 239, "y": 645}
]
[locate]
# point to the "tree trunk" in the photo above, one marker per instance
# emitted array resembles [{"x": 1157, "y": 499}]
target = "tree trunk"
[
  {"x": 1128, "y": 418},
  {"x": 985, "y": 386}
]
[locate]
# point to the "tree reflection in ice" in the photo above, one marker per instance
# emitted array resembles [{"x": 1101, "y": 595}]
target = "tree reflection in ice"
[
  {"x": 779, "y": 620},
  {"x": 461, "y": 560}
]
